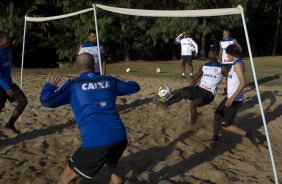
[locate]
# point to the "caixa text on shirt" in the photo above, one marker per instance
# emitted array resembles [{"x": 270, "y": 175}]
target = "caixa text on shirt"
[
  {"x": 209, "y": 75},
  {"x": 95, "y": 85}
]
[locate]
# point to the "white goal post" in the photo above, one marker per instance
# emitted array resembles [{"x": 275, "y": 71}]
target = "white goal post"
[{"x": 164, "y": 13}]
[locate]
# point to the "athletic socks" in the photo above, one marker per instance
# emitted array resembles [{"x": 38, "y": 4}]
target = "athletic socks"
[
  {"x": 182, "y": 75},
  {"x": 191, "y": 74}
]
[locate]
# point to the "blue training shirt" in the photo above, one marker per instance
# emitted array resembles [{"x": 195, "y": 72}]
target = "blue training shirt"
[
  {"x": 5, "y": 68},
  {"x": 93, "y": 100}
]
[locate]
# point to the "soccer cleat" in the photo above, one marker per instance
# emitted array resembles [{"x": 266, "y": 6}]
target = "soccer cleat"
[
  {"x": 159, "y": 103},
  {"x": 252, "y": 138}
]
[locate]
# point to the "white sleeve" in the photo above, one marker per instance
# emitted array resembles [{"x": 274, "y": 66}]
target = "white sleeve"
[
  {"x": 178, "y": 38},
  {"x": 195, "y": 45}
]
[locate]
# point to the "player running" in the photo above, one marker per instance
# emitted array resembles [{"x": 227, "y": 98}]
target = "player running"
[
  {"x": 202, "y": 94},
  {"x": 225, "y": 113},
  {"x": 8, "y": 89}
]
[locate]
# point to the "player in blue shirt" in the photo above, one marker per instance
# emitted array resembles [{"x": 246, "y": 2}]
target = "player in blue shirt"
[
  {"x": 93, "y": 100},
  {"x": 8, "y": 89}
]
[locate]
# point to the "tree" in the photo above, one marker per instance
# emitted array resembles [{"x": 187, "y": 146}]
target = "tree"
[{"x": 277, "y": 29}]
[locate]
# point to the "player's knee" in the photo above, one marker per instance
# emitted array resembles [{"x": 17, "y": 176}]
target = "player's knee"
[
  {"x": 23, "y": 102},
  {"x": 184, "y": 92},
  {"x": 64, "y": 179},
  {"x": 193, "y": 105}
]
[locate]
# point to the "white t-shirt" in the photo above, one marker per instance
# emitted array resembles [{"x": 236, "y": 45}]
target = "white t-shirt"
[
  {"x": 92, "y": 49},
  {"x": 233, "y": 83},
  {"x": 187, "y": 45},
  {"x": 224, "y": 43},
  {"x": 211, "y": 77}
]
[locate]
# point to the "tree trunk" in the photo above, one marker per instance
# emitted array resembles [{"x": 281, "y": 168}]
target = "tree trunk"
[
  {"x": 203, "y": 46},
  {"x": 277, "y": 29},
  {"x": 126, "y": 50},
  {"x": 125, "y": 42}
]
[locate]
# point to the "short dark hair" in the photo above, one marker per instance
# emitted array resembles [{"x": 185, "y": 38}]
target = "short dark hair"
[
  {"x": 226, "y": 29},
  {"x": 3, "y": 34},
  {"x": 233, "y": 50},
  {"x": 91, "y": 31},
  {"x": 214, "y": 50}
]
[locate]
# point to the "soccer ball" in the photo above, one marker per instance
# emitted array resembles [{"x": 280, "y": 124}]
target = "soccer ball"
[
  {"x": 158, "y": 70},
  {"x": 164, "y": 91},
  {"x": 128, "y": 70}
]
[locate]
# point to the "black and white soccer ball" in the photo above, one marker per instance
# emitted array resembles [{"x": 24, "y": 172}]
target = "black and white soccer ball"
[{"x": 164, "y": 91}]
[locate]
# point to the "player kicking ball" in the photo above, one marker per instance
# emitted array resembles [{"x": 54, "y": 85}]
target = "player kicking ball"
[{"x": 202, "y": 94}]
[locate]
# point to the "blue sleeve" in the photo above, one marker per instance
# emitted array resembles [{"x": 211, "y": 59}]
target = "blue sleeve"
[
  {"x": 4, "y": 84},
  {"x": 53, "y": 97},
  {"x": 127, "y": 87}
]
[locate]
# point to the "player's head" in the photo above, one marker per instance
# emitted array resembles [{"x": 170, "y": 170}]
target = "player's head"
[
  {"x": 91, "y": 35},
  {"x": 226, "y": 33},
  {"x": 213, "y": 54},
  {"x": 233, "y": 52},
  {"x": 85, "y": 63},
  {"x": 185, "y": 34},
  {"x": 4, "y": 39}
]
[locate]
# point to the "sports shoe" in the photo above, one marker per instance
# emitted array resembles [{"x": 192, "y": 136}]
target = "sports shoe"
[
  {"x": 252, "y": 138},
  {"x": 12, "y": 127},
  {"x": 159, "y": 103}
]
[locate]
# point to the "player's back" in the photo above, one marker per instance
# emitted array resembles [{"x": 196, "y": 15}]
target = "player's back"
[{"x": 93, "y": 100}]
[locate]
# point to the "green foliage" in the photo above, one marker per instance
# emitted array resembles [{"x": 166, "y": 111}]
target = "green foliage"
[{"x": 124, "y": 36}]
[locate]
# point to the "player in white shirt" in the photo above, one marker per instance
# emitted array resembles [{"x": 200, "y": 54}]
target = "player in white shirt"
[
  {"x": 225, "y": 113},
  {"x": 223, "y": 44},
  {"x": 203, "y": 94},
  {"x": 188, "y": 46}
]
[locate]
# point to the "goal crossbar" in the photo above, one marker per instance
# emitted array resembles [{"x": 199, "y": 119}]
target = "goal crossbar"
[{"x": 172, "y": 13}]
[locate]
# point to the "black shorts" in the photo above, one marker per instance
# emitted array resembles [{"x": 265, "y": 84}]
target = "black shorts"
[
  {"x": 228, "y": 113},
  {"x": 186, "y": 59},
  {"x": 18, "y": 95},
  {"x": 198, "y": 92},
  {"x": 228, "y": 66},
  {"x": 86, "y": 162}
]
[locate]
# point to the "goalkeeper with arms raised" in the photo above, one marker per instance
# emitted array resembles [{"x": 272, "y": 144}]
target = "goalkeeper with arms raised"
[
  {"x": 203, "y": 94},
  {"x": 92, "y": 97}
]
